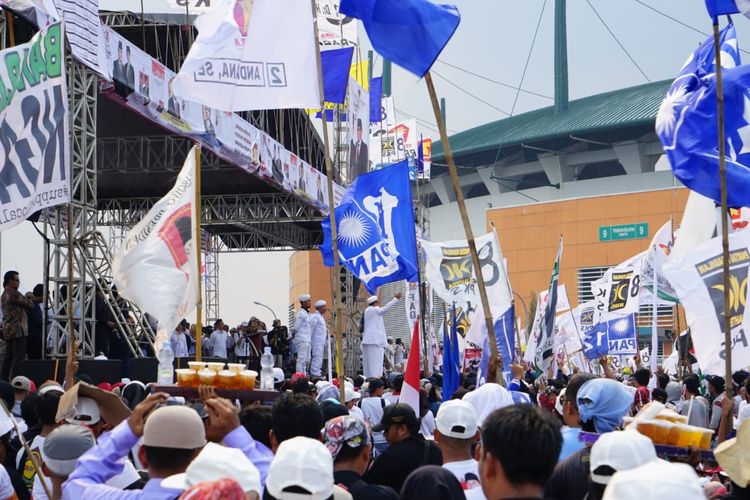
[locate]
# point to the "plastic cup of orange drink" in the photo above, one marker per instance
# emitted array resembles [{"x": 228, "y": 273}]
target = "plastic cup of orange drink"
[
  {"x": 207, "y": 377},
  {"x": 186, "y": 377},
  {"x": 247, "y": 379},
  {"x": 227, "y": 379}
]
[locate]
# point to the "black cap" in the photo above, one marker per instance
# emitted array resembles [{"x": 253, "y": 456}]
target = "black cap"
[{"x": 399, "y": 413}]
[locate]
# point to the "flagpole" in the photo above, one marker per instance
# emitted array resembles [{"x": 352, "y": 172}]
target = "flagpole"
[
  {"x": 724, "y": 222},
  {"x": 69, "y": 298},
  {"x": 495, "y": 360},
  {"x": 332, "y": 218},
  {"x": 198, "y": 241}
]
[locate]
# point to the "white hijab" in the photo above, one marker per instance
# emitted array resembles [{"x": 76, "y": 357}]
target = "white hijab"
[{"x": 488, "y": 398}]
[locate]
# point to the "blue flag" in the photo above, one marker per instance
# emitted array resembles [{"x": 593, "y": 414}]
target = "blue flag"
[
  {"x": 616, "y": 337},
  {"x": 420, "y": 157},
  {"x": 411, "y": 33},
  {"x": 717, "y": 8},
  {"x": 376, "y": 94},
  {"x": 375, "y": 228},
  {"x": 335, "y": 65},
  {"x": 451, "y": 358},
  {"x": 687, "y": 122},
  {"x": 505, "y": 337}
]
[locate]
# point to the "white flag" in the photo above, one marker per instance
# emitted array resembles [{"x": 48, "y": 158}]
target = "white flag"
[
  {"x": 697, "y": 225},
  {"x": 157, "y": 267},
  {"x": 617, "y": 292},
  {"x": 563, "y": 302},
  {"x": 653, "y": 261},
  {"x": 252, "y": 54},
  {"x": 697, "y": 277}
]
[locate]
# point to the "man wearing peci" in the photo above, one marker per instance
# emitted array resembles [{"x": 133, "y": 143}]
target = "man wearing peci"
[
  {"x": 373, "y": 336},
  {"x": 358, "y": 156}
]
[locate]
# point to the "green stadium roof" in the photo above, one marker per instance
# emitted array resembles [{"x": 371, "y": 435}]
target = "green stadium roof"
[{"x": 613, "y": 116}]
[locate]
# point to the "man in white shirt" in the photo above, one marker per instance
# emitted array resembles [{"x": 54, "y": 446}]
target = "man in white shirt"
[
  {"x": 218, "y": 340},
  {"x": 302, "y": 333},
  {"x": 456, "y": 431},
  {"x": 319, "y": 334},
  {"x": 373, "y": 337},
  {"x": 178, "y": 342}
]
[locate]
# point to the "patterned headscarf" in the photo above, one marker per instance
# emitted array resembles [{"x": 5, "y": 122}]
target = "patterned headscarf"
[
  {"x": 348, "y": 430},
  {"x": 223, "y": 489}
]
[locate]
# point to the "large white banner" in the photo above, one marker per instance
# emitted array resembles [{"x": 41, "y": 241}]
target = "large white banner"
[
  {"x": 358, "y": 114},
  {"x": 617, "y": 292},
  {"x": 334, "y": 29},
  {"x": 253, "y": 54},
  {"x": 157, "y": 267},
  {"x": 697, "y": 277},
  {"x": 563, "y": 302},
  {"x": 34, "y": 155},
  {"x": 83, "y": 31}
]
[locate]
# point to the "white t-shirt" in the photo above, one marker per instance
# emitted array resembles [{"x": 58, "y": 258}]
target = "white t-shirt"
[
  {"x": 427, "y": 425},
  {"x": 6, "y": 487},
  {"x": 467, "y": 473},
  {"x": 356, "y": 412}
]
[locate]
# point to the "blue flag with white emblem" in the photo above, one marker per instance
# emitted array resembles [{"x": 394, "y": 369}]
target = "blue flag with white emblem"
[
  {"x": 687, "y": 122},
  {"x": 616, "y": 337},
  {"x": 717, "y": 8},
  {"x": 375, "y": 228}
]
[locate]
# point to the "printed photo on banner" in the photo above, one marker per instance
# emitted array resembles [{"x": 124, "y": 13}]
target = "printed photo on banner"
[
  {"x": 34, "y": 118},
  {"x": 358, "y": 115}
]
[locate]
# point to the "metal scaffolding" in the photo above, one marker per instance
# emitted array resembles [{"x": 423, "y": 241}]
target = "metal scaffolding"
[{"x": 211, "y": 279}]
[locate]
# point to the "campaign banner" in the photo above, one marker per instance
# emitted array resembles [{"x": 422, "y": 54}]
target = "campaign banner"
[
  {"x": 563, "y": 303},
  {"x": 617, "y": 337},
  {"x": 335, "y": 30},
  {"x": 83, "y": 31},
  {"x": 34, "y": 141},
  {"x": 617, "y": 292},
  {"x": 411, "y": 302},
  {"x": 358, "y": 114}
]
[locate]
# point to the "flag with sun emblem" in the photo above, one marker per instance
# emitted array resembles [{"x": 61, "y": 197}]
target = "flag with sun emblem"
[
  {"x": 687, "y": 122},
  {"x": 375, "y": 228}
]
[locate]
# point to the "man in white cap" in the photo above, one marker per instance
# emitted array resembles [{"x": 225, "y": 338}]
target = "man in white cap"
[
  {"x": 302, "y": 333},
  {"x": 319, "y": 334},
  {"x": 373, "y": 336},
  {"x": 456, "y": 432}
]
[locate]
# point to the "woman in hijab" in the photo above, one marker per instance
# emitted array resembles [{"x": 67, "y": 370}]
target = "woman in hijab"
[
  {"x": 602, "y": 403},
  {"x": 488, "y": 398},
  {"x": 433, "y": 482}
]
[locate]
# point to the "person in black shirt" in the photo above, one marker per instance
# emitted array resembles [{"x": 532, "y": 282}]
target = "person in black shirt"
[
  {"x": 36, "y": 324},
  {"x": 348, "y": 440},
  {"x": 407, "y": 449}
]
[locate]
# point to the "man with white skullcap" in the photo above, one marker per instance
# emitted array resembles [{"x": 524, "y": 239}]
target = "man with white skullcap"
[
  {"x": 373, "y": 336},
  {"x": 319, "y": 334},
  {"x": 302, "y": 333}
]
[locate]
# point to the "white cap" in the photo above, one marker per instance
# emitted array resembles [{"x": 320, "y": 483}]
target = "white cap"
[
  {"x": 215, "y": 462},
  {"x": 621, "y": 450},
  {"x": 558, "y": 402},
  {"x": 302, "y": 462},
  {"x": 456, "y": 419},
  {"x": 244, "y": 323},
  {"x": 52, "y": 386},
  {"x": 278, "y": 375},
  {"x": 320, "y": 303},
  {"x": 304, "y": 297},
  {"x": 351, "y": 394},
  {"x": 87, "y": 412},
  {"x": 655, "y": 480},
  {"x": 372, "y": 299},
  {"x": 321, "y": 384}
]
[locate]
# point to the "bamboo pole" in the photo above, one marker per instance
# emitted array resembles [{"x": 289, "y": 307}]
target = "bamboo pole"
[
  {"x": 336, "y": 310},
  {"x": 724, "y": 211},
  {"x": 197, "y": 215},
  {"x": 495, "y": 359}
]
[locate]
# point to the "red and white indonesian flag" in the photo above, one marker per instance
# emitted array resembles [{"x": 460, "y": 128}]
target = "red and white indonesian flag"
[
  {"x": 157, "y": 266},
  {"x": 410, "y": 390},
  {"x": 252, "y": 54}
]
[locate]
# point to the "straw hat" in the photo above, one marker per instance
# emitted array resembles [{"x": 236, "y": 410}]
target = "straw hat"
[{"x": 733, "y": 455}]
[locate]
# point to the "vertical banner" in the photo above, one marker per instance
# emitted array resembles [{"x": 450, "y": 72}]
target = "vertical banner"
[
  {"x": 335, "y": 30},
  {"x": 34, "y": 154},
  {"x": 412, "y": 303},
  {"x": 359, "y": 129}
]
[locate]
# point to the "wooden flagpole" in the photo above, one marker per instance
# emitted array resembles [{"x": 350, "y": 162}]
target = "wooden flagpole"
[
  {"x": 337, "y": 306},
  {"x": 495, "y": 360},
  {"x": 724, "y": 210},
  {"x": 198, "y": 244}
]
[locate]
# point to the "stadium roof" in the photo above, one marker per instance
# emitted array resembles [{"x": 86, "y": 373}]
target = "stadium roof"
[{"x": 615, "y": 116}]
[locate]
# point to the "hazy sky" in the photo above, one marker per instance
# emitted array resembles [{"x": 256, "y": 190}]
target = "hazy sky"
[{"x": 493, "y": 40}]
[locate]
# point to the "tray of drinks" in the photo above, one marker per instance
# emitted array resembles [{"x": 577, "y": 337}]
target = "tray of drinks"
[
  {"x": 663, "y": 450},
  {"x": 241, "y": 394}
]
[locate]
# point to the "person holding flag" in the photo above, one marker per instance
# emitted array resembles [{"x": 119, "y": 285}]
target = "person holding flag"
[{"x": 373, "y": 337}]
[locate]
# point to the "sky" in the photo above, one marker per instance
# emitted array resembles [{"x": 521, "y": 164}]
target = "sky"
[{"x": 493, "y": 40}]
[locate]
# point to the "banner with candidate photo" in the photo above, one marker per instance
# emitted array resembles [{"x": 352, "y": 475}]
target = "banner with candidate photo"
[
  {"x": 358, "y": 115},
  {"x": 34, "y": 141}
]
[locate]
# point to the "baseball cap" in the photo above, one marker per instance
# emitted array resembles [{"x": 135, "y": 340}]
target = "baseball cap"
[
  {"x": 347, "y": 430},
  {"x": 301, "y": 463},
  {"x": 64, "y": 445},
  {"x": 456, "y": 419},
  {"x": 213, "y": 463},
  {"x": 655, "y": 480},
  {"x": 87, "y": 412},
  {"x": 174, "y": 427},
  {"x": 351, "y": 394},
  {"x": 278, "y": 375},
  {"x": 372, "y": 299},
  {"x": 617, "y": 451},
  {"x": 21, "y": 383},
  {"x": 395, "y": 414}
]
